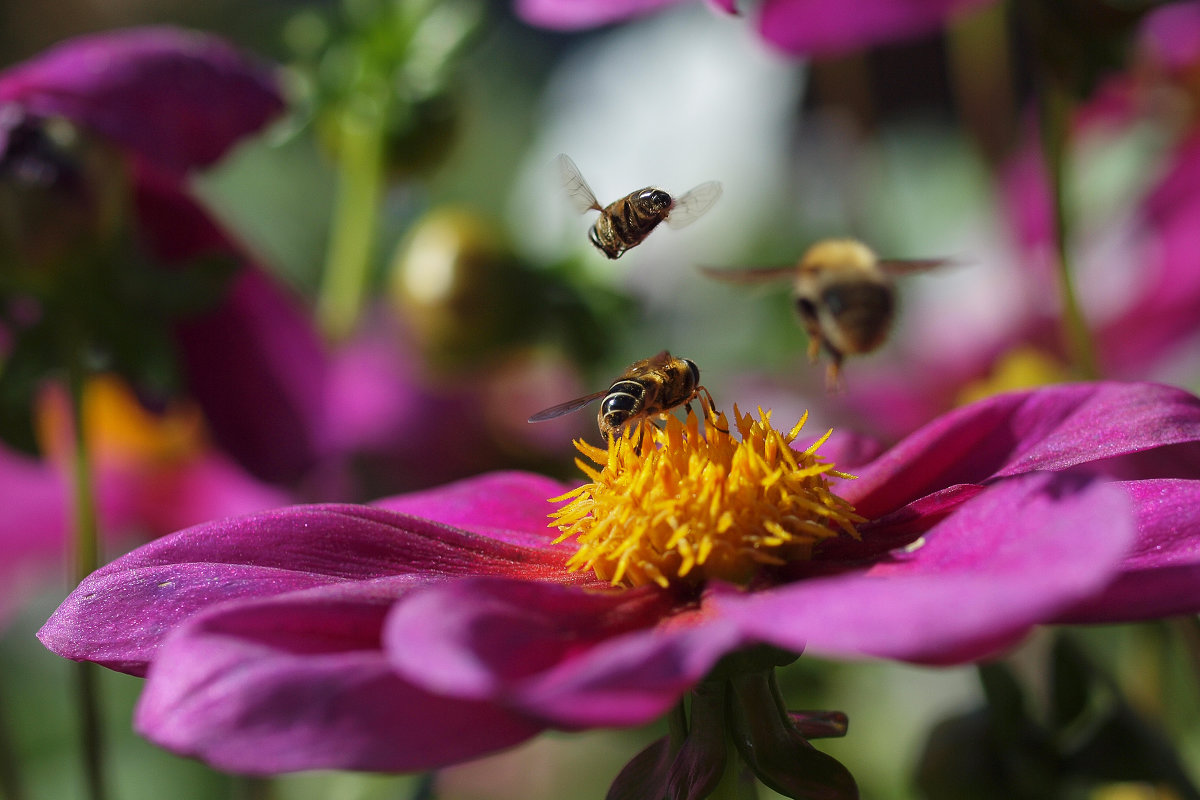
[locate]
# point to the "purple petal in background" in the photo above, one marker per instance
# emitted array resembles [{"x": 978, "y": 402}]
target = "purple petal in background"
[
  {"x": 255, "y": 362},
  {"x": 1163, "y": 314},
  {"x": 573, "y": 14},
  {"x": 258, "y": 371},
  {"x": 207, "y": 487},
  {"x": 815, "y": 27},
  {"x": 1170, "y": 35},
  {"x": 175, "y": 98}
]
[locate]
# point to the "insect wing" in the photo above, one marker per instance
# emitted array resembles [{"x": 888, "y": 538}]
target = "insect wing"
[
  {"x": 691, "y": 206},
  {"x": 566, "y": 408},
  {"x": 659, "y": 359},
  {"x": 582, "y": 196},
  {"x": 750, "y": 274},
  {"x": 907, "y": 266}
]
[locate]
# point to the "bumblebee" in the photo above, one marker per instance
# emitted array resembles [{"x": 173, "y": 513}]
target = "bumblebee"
[{"x": 843, "y": 293}]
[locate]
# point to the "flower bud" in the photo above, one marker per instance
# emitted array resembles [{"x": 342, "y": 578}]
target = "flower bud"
[{"x": 459, "y": 290}]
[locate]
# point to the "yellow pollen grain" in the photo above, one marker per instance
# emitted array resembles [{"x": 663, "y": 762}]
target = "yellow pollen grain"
[{"x": 684, "y": 503}]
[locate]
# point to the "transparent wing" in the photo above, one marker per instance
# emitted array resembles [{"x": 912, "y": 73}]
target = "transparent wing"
[
  {"x": 567, "y": 407},
  {"x": 907, "y": 266},
  {"x": 661, "y": 358},
  {"x": 691, "y": 206},
  {"x": 582, "y": 196},
  {"x": 750, "y": 274}
]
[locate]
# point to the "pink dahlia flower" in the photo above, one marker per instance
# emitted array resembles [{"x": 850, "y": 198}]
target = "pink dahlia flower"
[{"x": 433, "y": 627}]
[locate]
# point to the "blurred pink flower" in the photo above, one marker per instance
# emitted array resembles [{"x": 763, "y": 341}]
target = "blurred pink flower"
[
  {"x": 799, "y": 27},
  {"x": 437, "y": 626},
  {"x": 155, "y": 473},
  {"x": 173, "y": 101}
]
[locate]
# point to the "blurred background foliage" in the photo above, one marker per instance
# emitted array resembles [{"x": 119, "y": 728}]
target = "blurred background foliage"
[{"x": 423, "y": 133}]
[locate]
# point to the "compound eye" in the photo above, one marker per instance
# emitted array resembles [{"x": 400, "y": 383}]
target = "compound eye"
[
  {"x": 618, "y": 406},
  {"x": 694, "y": 370},
  {"x": 657, "y": 199},
  {"x": 807, "y": 308}
]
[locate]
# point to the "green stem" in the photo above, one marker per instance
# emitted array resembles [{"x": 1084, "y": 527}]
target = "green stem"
[
  {"x": 1055, "y": 122},
  {"x": 355, "y": 218},
  {"x": 249, "y": 788},
  {"x": 677, "y": 726},
  {"x": 11, "y": 786},
  {"x": 737, "y": 782},
  {"x": 86, "y": 560}
]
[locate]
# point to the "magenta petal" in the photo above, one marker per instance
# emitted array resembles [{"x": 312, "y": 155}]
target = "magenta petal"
[
  {"x": 119, "y": 614},
  {"x": 814, "y": 27},
  {"x": 205, "y": 488},
  {"x": 1164, "y": 313},
  {"x": 1170, "y": 35},
  {"x": 510, "y": 506},
  {"x": 175, "y": 98},
  {"x": 255, "y": 362},
  {"x": 574, "y": 14},
  {"x": 1014, "y": 556},
  {"x": 1161, "y": 575},
  {"x": 570, "y": 657},
  {"x": 257, "y": 368},
  {"x": 299, "y": 682},
  {"x": 1052, "y": 428}
]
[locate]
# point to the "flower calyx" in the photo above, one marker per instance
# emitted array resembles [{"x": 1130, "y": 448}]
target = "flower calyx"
[{"x": 737, "y": 731}]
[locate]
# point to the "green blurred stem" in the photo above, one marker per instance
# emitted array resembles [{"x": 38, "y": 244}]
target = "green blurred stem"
[
  {"x": 250, "y": 788},
  {"x": 355, "y": 218},
  {"x": 11, "y": 786},
  {"x": 86, "y": 560},
  {"x": 1055, "y": 123},
  {"x": 1188, "y": 630},
  {"x": 736, "y": 782}
]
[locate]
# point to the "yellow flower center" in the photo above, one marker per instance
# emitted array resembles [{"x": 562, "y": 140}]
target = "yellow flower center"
[{"x": 681, "y": 505}]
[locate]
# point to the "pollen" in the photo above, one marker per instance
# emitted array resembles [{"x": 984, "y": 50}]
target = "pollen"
[{"x": 684, "y": 503}]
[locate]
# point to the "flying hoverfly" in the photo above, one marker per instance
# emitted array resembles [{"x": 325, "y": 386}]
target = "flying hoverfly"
[{"x": 626, "y": 222}]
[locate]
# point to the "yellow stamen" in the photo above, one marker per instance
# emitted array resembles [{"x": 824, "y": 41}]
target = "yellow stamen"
[{"x": 681, "y": 505}]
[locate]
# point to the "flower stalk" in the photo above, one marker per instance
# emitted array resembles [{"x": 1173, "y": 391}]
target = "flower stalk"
[
  {"x": 86, "y": 560},
  {"x": 1055, "y": 102},
  {"x": 355, "y": 216}
]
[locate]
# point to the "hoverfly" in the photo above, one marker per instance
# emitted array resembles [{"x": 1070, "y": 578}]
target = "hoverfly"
[
  {"x": 843, "y": 293},
  {"x": 626, "y": 222},
  {"x": 651, "y": 386}
]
